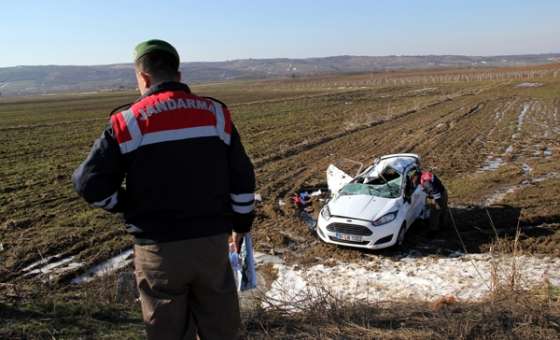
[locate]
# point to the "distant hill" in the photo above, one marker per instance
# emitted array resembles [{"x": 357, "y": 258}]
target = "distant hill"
[{"x": 23, "y": 80}]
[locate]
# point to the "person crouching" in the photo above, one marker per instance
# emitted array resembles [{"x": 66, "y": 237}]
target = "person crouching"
[{"x": 436, "y": 200}]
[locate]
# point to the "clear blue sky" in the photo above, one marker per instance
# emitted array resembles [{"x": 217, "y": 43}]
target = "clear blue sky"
[{"x": 101, "y": 32}]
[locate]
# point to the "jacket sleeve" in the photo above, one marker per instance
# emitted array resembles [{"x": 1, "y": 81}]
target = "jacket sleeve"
[
  {"x": 98, "y": 179},
  {"x": 242, "y": 185}
]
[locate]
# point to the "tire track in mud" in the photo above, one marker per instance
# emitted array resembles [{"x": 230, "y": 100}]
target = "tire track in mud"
[
  {"x": 360, "y": 147},
  {"x": 81, "y": 252},
  {"x": 320, "y": 141},
  {"x": 499, "y": 195},
  {"x": 297, "y": 98},
  {"x": 521, "y": 150}
]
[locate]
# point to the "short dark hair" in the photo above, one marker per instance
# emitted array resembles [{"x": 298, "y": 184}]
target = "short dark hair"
[{"x": 159, "y": 65}]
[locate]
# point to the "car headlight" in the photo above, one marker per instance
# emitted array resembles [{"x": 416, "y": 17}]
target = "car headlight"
[
  {"x": 326, "y": 213},
  {"x": 385, "y": 218}
]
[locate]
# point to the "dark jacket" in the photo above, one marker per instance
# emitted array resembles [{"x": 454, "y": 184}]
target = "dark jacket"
[
  {"x": 186, "y": 172},
  {"x": 435, "y": 189}
]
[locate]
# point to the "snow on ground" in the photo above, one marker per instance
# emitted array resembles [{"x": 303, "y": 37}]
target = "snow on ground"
[
  {"x": 492, "y": 164},
  {"x": 38, "y": 263},
  {"x": 55, "y": 265},
  {"x": 52, "y": 268},
  {"x": 467, "y": 278},
  {"x": 522, "y": 115},
  {"x": 527, "y": 170},
  {"x": 522, "y": 85},
  {"x": 499, "y": 195},
  {"x": 106, "y": 267},
  {"x": 499, "y": 115}
]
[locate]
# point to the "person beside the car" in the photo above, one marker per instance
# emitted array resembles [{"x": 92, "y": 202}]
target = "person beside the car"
[{"x": 437, "y": 199}]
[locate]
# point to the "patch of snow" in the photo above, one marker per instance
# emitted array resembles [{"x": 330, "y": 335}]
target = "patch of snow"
[
  {"x": 425, "y": 89},
  {"x": 261, "y": 258},
  {"x": 509, "y": 149},
  {"x": 492, "y": 164},
  {"x": 38, "y": 263},
  {"x": 106, "y": 267},
  {"x": 547, "y": 152},
  {"x": 499, "y": 195},
  {"x": 499, "y": 115},
  {"x": 56, "y": 267},
  {"x": 521, "y": 116},
  {"x": 258, "y": 197},
  {"x": 526, "y": 169},
  {"x": 526, "y": 85},
  {"x": 550, "y": 175},
  {"x": 467, "y": 278}
]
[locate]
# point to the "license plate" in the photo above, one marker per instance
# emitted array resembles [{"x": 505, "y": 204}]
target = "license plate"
[{"x": 346, "y": 237}]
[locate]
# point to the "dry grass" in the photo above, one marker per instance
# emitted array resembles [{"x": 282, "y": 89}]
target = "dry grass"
[
  {"x": 505, "y": 315},
  {"x": 509, "y": 311}
]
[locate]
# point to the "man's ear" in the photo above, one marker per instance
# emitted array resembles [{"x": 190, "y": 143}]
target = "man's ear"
[{"x": 146, "y": 79}]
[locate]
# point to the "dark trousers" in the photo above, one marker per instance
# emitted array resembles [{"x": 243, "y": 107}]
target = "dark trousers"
[
  {"x": 187, "y": 288},
  {"x": 438, "y": 213}
]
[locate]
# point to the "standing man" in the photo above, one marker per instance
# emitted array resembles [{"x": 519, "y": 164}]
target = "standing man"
[
  {"x": 189, "y": 184},
  {"x": 437, "y": 199}
]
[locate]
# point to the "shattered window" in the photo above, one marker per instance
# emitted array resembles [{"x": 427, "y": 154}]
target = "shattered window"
[{"x": 375, "y": 187}]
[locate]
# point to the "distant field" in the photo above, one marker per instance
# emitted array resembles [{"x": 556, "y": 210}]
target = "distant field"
[{"x": 491, "y": 135}]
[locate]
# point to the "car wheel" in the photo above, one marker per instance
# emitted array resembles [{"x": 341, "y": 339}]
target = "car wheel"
[{"x": 402, "y": 232}]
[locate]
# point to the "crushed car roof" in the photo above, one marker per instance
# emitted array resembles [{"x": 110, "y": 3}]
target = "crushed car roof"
[{"x": 398, "y": 162}]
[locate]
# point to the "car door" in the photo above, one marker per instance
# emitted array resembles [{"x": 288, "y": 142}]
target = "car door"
[{"x": 336, "y": 179}]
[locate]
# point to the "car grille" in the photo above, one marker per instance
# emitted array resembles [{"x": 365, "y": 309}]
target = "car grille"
[
  {"x": 350, "y": 229},
  {"x": 363, "y": 243}
]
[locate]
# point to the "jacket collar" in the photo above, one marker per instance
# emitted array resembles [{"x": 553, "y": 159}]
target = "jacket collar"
[{"x": 165, "y": 86}]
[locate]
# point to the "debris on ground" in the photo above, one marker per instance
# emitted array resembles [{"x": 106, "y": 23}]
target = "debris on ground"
[{"x": 308, "y": 201}]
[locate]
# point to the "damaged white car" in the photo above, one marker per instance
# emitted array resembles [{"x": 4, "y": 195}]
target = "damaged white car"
[{"x": 375, "y": 209}]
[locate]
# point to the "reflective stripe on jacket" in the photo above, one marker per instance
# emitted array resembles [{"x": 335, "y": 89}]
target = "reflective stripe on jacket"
[{"x": 187, "y": 174}]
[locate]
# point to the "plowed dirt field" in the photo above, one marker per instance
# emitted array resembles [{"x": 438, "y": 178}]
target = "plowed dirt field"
[{"x": 492, "y": 139}]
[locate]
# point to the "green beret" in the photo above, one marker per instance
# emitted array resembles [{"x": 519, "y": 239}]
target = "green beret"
[{"x": 146, "y": 47}]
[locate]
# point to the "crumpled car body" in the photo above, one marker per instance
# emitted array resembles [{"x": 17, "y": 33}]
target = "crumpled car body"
[{"x": 376, "y": 208}]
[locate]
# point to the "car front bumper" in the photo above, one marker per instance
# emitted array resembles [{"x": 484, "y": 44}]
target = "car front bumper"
[{"x": 382, "y": 236}]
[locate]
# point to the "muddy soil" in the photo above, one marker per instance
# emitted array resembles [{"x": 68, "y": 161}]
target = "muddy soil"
[{"x": 460, "y": 124}]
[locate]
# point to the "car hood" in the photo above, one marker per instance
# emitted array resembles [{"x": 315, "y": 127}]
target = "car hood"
[{"x": 362, "y": 207}]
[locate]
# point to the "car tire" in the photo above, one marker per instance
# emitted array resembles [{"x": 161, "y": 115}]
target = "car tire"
[{"x": 401, "y": 235}]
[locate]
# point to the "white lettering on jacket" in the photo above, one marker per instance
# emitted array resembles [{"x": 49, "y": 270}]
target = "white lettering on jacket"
[{"x": 173, "y": 104}]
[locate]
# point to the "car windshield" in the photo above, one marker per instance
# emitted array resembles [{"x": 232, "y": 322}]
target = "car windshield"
[{"x": 375, "y": 187}]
